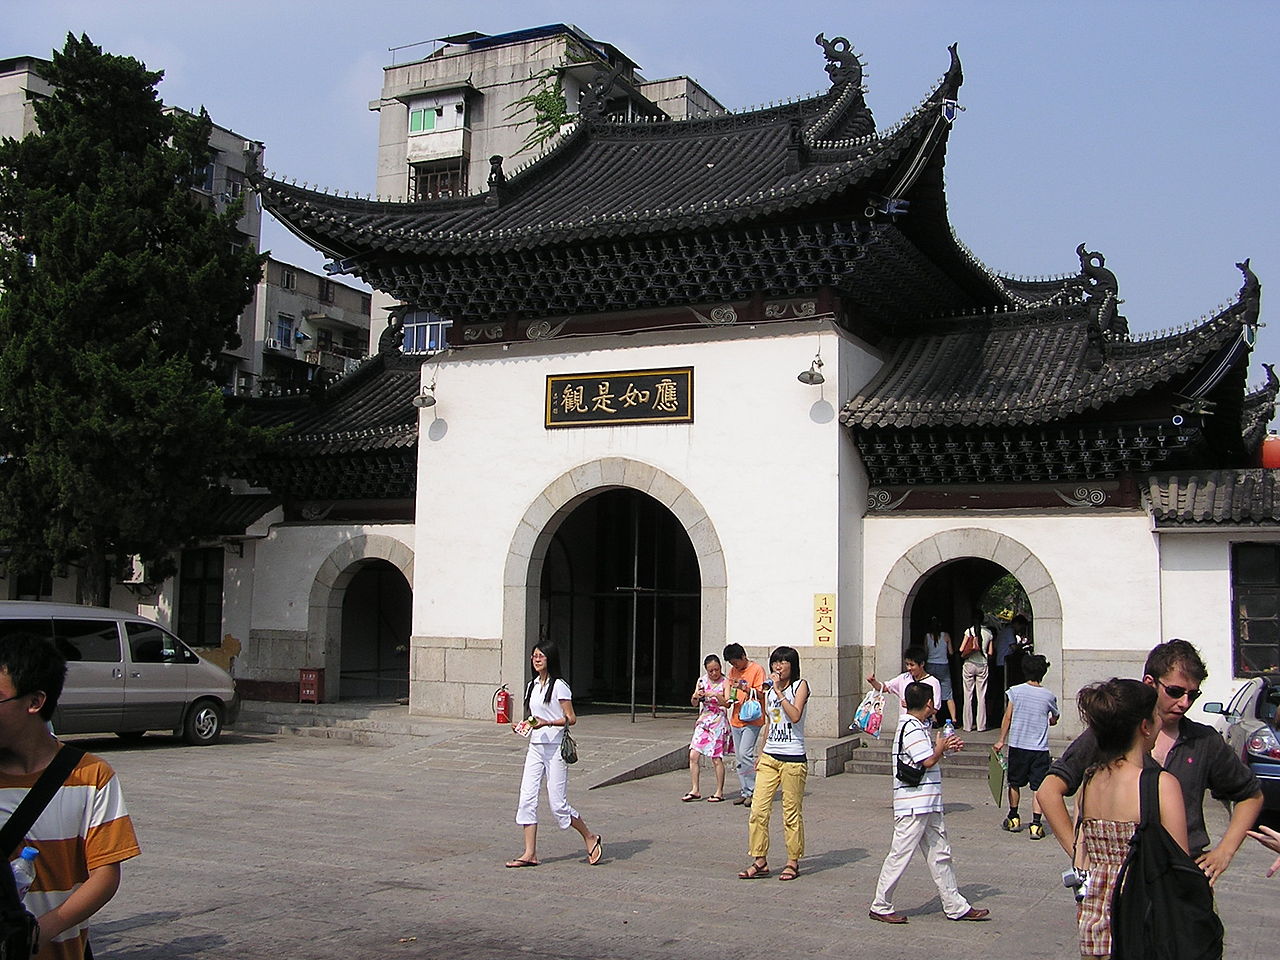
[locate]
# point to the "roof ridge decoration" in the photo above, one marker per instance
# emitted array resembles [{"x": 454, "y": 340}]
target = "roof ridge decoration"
[
  {"x": 1257, "y": 412},
  {"x": 594, "y": 97},
  {"x": 848, "y": 116},
  {"x": 1106, "y": 325}
]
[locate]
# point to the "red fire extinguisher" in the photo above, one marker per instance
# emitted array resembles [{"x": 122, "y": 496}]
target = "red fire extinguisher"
[{"x": 502, "y": 705}]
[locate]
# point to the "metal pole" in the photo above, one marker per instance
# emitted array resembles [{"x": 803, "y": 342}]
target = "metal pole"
[
  {"x": 653, "y": 622},
  {"x": 635, "y": 601}
]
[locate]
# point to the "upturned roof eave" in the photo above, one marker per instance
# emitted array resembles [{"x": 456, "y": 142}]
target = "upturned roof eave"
[{"x": 1161, "y": 356}]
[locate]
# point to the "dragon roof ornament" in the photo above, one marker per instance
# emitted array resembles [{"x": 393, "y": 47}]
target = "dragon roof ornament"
[{"x": 843, "y": 65}]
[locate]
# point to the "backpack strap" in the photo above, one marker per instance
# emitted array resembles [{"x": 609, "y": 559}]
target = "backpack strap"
[
  {"x": 38, "y": 797},
  {"x": 1149, "y": 797}
]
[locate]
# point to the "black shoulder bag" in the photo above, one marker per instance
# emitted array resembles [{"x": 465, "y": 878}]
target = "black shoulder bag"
[
  {"x": 907, "y": 772},
  {"x": 19, "y": 932},
  {"x": 1162, "y": 907}
]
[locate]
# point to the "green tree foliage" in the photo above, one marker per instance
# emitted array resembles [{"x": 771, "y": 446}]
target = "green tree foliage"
[
  {"x": 1005, "y": 598},
  {"x": 119, "y": 287}
]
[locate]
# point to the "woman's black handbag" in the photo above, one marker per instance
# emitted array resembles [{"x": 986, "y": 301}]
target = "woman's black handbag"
[
  {"x": 1162, "y": 908},
  {"x": 908, "y": 773},
  {"x": 568, "y": 749}
]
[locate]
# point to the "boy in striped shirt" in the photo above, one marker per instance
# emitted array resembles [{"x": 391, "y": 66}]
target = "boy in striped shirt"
[
  {"x": 917, "y": 813},
  {"x": 84, "y": 833}
]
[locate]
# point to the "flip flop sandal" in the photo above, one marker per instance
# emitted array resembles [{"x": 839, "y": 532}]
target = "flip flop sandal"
[
  {"x": 754, "y": 872},
  {"x": 690, "y": 797},
  {"x": 522, "y": 863},
  {"x": 715, "y": 799},
  {"x": 597, "y": 852}
]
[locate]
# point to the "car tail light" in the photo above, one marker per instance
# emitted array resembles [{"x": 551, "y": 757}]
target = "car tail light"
[{"x": 1263, "y": 743}]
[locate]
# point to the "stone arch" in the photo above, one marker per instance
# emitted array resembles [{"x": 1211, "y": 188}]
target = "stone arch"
[
  {"x": 522, "y": 578},
  {"x": 913, "y": 568},
  {"x": 324, "y": 606}
]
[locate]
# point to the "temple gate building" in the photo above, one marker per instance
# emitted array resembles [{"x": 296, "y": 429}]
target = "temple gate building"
[{"x": 732, "y": 377}]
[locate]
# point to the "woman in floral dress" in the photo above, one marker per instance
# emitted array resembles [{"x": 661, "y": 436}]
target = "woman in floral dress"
[{"x": 711, "y": 733}]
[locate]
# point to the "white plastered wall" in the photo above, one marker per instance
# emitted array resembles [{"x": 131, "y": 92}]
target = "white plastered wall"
[
  {"x": 1093, "y": 580},
  {"x": 300, "y": 572},
  {"x": 1195, "y": 592},
  {"x": 762, "y": 460}
]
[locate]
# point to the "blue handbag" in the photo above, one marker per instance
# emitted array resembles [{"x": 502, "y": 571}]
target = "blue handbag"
[{"x": 750, "y": 710}]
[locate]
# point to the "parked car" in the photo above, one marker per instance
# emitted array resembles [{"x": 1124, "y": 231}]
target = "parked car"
[
  {"x": 1251, "y": 731},
  {"x": 127, "y": 674}
]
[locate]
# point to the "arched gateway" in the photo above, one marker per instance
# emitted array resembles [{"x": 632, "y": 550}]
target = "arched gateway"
[
  {"x": 528, "y": 612},
  {"x": 917, "y": 566},
  {"x": 357, "y": 556}
]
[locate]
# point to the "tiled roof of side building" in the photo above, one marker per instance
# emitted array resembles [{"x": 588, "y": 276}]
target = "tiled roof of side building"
[
  {"x": 608, "y": 180},
  {"x": 1246, "y": 497},
  {"x": 369, "y": 409},
  {"x": 1033, "y": 366}
]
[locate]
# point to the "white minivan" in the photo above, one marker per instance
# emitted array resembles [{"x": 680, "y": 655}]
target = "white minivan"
[{"x": 126, "y": 674}]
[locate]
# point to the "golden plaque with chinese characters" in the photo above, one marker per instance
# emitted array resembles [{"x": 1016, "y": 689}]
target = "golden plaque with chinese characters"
[{"x": 621, "y": 398}]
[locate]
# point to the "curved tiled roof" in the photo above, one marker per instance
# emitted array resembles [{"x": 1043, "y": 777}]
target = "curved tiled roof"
[
  {"x": 615, "y": 180},
  {"x": 1214, "y": 497},
  {"x": 1030, "y": 366},
  {"x": 369, "y": 409}
]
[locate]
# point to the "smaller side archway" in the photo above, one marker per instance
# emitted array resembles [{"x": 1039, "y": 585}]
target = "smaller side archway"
[
  {"x": 913, "y": 570},
  {"x": 328, "y": 591}
]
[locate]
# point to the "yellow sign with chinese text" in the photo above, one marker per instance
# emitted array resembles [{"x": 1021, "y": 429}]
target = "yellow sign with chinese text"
[{"x": 824, "y": 619}]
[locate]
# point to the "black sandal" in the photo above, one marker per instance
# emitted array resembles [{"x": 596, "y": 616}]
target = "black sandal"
[{"x": 754, "y": 872}]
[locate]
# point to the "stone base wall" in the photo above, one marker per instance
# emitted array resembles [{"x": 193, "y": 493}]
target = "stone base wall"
[
  {"x": 455, "y": 676},
  {"x": 275, "y": 655},
  {"x": 276, "y": 691}
]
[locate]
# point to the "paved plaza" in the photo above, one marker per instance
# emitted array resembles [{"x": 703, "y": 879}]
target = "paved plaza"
[{"x": 280, "y": 847}]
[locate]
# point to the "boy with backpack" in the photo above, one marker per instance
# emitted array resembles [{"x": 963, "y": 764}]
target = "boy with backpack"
[
  {"x": 84, "y": 832},
  {"x": 1029, "y": 714},
  {"x": 917, "y": 811}
]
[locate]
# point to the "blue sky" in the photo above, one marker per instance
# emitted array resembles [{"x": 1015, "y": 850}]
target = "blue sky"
[{"x": 1146, "y": 130}]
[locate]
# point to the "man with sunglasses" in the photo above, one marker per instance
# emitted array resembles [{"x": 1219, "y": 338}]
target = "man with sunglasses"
[{"x": 1194, "y": 753}]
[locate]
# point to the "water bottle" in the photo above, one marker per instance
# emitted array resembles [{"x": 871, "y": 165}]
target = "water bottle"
[
  {"x": 948, "y": 731},
  {"x": 24, "y": 870}
]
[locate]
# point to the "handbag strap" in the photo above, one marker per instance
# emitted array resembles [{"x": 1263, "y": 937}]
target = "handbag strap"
[
  {"x": 1149, "y": 797},
  {"x": 38, "y": 797}
]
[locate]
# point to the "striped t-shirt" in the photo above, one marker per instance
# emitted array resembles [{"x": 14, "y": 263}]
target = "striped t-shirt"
[
  {"x": 85, "y": 826},
  {"x": 916, "y": 747},
  {"x": 1033, "y": 705}
]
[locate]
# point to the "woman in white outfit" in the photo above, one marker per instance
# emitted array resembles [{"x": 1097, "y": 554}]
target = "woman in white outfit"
[
  {"x": 975, "y": 648},
  {"x": 548, "y": 705}
]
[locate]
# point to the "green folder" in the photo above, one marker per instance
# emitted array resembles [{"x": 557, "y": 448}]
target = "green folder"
[{"x": 995, "y": 776}]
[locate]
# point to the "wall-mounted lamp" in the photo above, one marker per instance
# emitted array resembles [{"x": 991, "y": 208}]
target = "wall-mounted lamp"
[
  {"x": 427, "y": 398},
  {"x": 813, "y": 376}
]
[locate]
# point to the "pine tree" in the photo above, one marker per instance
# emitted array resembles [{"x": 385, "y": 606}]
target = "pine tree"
[{"x": 119, "y": 288}]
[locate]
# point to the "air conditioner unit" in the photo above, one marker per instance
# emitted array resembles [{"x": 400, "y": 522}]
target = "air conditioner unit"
[
  {"x": 272, "y": 343},
  {"x": 135, "y": 571}
]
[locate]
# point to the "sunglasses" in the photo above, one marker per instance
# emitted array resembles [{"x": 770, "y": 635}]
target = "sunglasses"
[{"x": 1179, "y": 692}]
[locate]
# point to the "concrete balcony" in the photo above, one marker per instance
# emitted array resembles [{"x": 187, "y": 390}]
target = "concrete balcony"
[{"x": 439, "y": 145}]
